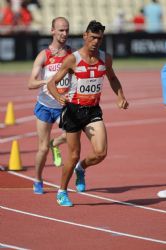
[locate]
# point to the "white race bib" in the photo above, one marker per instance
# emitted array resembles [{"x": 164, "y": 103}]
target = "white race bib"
[{"x": 89, "y": 86}]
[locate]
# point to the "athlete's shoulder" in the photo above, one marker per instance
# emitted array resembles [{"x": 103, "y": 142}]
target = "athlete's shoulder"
[
  {"x": 77, "y": 56},
  {"x": 71, "y": 58},
  {"x": 108, "y": 60},
  {"x": 44, "y": 52},
  {"x": 41, "y": 57},
  {"x": 76, "y": 52},
  {"x": 47, "y": 55},
  {"x": 41, "y": 52}
]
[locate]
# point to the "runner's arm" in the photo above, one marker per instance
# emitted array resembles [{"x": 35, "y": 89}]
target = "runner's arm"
[
  {"x": 67, "y": 66},
  {"x": 34, "y": 81},
  {"x": 115, "y": 84}
]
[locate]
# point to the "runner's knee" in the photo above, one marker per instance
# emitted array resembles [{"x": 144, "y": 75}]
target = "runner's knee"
[
  {"x": 100, "y": 155},
  {"x": 44, "y": 149},
  {"x": 63, "y": 136},
  {"x": 75, "y": 158}
]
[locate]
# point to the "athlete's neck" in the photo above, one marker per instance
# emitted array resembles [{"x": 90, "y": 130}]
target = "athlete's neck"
[
  {"x": 88, "y": 53},
  {"x": 56, "y": 49}
]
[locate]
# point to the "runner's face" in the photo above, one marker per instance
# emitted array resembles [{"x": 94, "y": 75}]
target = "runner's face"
[
  {"x": 61, "y": 31},
  {"x": 93, "y": 40}
]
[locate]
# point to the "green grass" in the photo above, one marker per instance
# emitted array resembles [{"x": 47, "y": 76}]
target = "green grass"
[
  {"x": 139, "y": 63},
  {"x": 16, "y": 67},
  {"x": 127, "y": 64}
]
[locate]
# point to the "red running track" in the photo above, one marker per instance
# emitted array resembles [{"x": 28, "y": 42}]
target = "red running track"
[{"x": 120, "y": 209}]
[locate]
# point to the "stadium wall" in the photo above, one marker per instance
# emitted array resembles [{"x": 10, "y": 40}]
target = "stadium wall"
[{"x": 25, "y": 46}]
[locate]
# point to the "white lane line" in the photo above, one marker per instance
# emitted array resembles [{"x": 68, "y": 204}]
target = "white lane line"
[
  {"x": 92, "y": 195},
  {"x": 84, "y": 226},
  {"x": 27, "y": 135},
  {"x": 17, "y": 137},
  {"x": 25, "y": 119},
  {"x": 23, "y": 98},
  {"x": 108, "y": 125},
  {"x": 136, "y": 122},
  {"x": 2, "y": 245},
  {"x": 20, "y": 120},
  {"x": 2, "y": 125},
  {"x": 20, "y": 106},
  {"x": 133, "y": 103},
  {"x": 145, "y": 101},
  {"x": 106, "y": 103}
]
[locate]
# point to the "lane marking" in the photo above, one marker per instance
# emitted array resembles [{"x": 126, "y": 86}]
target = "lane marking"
[
  {"x": 30, "y": 98},
  {"x": 25, "y": 119},
  {"x": 136, "y": 122},
  {"x": 27, "y": 135},
  {"x": 20, "y": 120},
  {"x": 107, "y": 124},
  {"x": 85, "y": 226},
  {"x": 22, "y": 106},
  {"x": 12, "y": 247},
  {"x": 106, "y": 102},
  {"x": 92, "y": 195},
  {"x": 145, "y": 101}
]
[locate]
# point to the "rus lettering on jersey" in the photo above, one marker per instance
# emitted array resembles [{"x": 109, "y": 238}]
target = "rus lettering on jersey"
[{"x": 54, "y": 67}]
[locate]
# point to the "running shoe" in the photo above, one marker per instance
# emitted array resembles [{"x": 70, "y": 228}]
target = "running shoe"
[
  {"x": 56, "y": 155},
  {"x": 80, "y": 180},
  {"x": 63, "y": 199},
  {"x": 162, "y": 194},
  {"x": 38, "y": 187}
]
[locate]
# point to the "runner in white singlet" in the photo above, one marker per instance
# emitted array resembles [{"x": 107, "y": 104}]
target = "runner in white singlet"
[
  {"x": 81, "y": 109},
  {"x": 47, "y": 109}
]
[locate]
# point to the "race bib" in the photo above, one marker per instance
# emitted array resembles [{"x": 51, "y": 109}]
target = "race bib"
[
  {"x": 90, "y": 86},
  {"x": 64, "y": 84}
]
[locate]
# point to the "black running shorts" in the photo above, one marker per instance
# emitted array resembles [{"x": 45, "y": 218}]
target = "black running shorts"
[{"x": 75, "y": 117}]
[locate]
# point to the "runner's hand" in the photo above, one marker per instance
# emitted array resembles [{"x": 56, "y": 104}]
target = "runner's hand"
[
  {"x": 61, "y": 99},
  {"x": 122, "y": 104}
]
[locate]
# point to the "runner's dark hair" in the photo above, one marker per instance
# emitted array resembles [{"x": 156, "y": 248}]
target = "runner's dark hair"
[{"x": 95, "y": 27}]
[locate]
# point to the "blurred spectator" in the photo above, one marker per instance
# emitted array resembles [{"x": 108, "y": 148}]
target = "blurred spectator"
[
  {"x": 34, "y": 4},
  {"x": 16, "y": 5},
  {"x": 34, "y": 7},
  {"x": 25, "y": 17},
  {"x": 7, "y": 18},
  {"x": 119, "y": 22},
  {"x": 153, "y": 16},
  {"x": 15, "y": 17},
  {"x": 139, "y": 21}
]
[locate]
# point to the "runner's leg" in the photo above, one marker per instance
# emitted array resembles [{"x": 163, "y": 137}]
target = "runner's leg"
[
  {"x": 96, "y": 133},
  {"x": 74, "y": 147},
  {"x": 43, "y": 131}
]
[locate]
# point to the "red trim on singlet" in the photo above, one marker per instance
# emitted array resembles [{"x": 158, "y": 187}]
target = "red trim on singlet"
[
  {"x": 89, "y": 68},
  {"x": 52, "y": 59},
  {"x": 90, "y": 78}
]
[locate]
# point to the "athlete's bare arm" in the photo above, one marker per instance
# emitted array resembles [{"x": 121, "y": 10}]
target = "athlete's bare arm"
[
  {"x": 34, "y": 81},
  {"x": 115, "y": 83},
  {"x": 67, "y": 66}
]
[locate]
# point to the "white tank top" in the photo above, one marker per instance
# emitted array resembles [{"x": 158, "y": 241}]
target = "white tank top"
[
  {"x": 87, "y": 81},
  {"x": 50, "y": 68}
]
